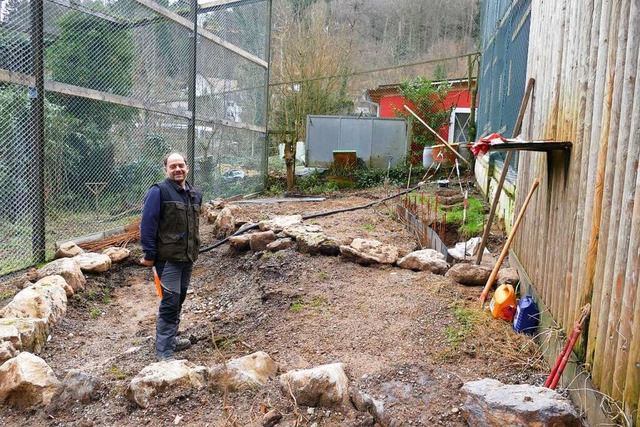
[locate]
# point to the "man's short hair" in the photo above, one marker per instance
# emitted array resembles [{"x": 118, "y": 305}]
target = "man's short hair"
[{"x": 171, "y": 153}]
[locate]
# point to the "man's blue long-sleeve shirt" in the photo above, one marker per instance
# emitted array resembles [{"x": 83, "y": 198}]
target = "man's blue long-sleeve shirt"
[{"x": 149, "y": 223}]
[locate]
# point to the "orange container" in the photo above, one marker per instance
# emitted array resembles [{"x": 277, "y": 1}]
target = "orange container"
[
  {"x": 503, "y": 304},
  {"x": 156, "y": 279}
]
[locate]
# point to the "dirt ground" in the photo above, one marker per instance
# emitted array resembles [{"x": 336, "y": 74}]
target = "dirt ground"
[{"x": 409, "y": 339}]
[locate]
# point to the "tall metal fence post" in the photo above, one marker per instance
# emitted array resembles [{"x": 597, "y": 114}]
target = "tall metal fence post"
[
  {"x": 191, "y": 103},
  {"x": 37, "y": 115},
  {"x": 267, "y": 57}
]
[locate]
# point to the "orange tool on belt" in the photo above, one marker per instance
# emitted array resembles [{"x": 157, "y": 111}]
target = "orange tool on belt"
[{"x": 156, "y": 278}]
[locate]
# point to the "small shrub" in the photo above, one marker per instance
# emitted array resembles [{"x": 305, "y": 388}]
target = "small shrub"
[
  {"x": 8, "y": 294},
  {"x": 297, "y": 305},
  {"x": 116, "y": 373}
]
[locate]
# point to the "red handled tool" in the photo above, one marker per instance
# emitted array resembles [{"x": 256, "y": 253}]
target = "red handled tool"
[{"x": 563, "y": 357}]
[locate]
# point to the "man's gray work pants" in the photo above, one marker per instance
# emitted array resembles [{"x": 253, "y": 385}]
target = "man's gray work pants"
[{"x": 175, "y": 277}]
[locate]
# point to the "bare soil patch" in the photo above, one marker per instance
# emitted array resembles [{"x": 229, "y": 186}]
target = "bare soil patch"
[{"x": 409, "y": 339}]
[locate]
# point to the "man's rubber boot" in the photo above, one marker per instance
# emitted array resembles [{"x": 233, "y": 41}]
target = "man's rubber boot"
[{"x": 182, "y": 344}]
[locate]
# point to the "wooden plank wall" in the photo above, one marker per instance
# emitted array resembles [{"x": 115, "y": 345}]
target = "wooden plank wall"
[{"x": 580, "y": 238}]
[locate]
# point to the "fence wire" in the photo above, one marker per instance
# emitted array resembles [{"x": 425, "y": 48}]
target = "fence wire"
[
  {"x": 503, "y": 68},
  {"x": 123, "y": 81}
]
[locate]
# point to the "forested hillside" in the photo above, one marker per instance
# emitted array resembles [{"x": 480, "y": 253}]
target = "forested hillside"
[{"x": 325, "y": 53}]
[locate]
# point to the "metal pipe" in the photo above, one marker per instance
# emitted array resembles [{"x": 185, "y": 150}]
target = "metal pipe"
[
  {"x": 191, "y": 101},
  {"x": 37, "y": 113},
  {"x": 267, "y": 58}
]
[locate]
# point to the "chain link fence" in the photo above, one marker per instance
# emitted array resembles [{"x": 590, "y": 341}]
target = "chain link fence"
[
  {"x": 93, "y": 94},
  {"x": 503, "y": 67}
]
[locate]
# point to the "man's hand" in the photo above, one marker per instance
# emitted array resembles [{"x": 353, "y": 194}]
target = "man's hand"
[{"x": 146, "y": 262}]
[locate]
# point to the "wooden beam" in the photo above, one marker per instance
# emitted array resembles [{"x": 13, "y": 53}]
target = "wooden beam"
[
  {"x": 172, "y": 16},
  {"x": 16, "y": 78},
  {"x": 244, "y": 126},
  {"x": 88, "y": 11},
  {"x": 72, "y": 90},
  {"x": 67, "y": 89},
  {"x": 223, "y": 4}
]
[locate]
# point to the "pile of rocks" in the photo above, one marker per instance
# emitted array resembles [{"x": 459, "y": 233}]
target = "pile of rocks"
[{"x": 27, "y": 321}]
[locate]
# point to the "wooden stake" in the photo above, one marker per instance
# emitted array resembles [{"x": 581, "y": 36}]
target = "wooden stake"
[
  {"x": 503, "y": 255},
  {"x": 505, "y": 168}
]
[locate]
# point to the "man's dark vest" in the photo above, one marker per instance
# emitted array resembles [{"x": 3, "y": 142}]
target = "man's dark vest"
[{"x": 178, "y": 227}]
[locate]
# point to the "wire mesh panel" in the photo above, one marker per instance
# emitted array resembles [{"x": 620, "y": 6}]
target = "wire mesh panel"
[
  {"x": 503, "y": 66},
  {"x": 503, "y": 69},
  {"x": 124, "y": 84}
]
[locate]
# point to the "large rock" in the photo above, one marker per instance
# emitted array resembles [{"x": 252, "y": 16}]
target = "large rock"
[
  {"x": 158, "y": 377},
  {"x": 92, "y": 262},
  {"x": 67, "y": 268},
  {"x": 259, "y": 241},
  {"x": 248, "y": 372},
  {"x": 116, "y": 254},
  {"x": 279, "y": 223},
  {"x": 312, "y": 240},
  {"x": 425, "y": 260},
  {"x": 7, "y": 351},
  {"x": 325, "y": 385},
  {"x": 24, "y": 334},
  {"x": 317, "y": 244},
  {"x": 77, "y": 387},
  {"x": 296, "y": 230},
  {"x": 508, "y": 276},
  {"x": 491, "y": 403},
  {"x": 469, "y": 274},
  {"x": 281, "y": 245},
  {"x": 368, "y": 252},
  {"x": 46, "y": 299},
  {"x": 68, "y": 250},
  {"x": 27, "y": 380},
  {"x": 224, "y": 224},
  {"x": 240, "y": 243}
]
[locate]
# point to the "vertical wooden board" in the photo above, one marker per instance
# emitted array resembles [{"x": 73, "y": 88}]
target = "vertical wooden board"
[
  {"x": 579, "y": 150},
  {"x": 554, "y": 179},
  {"x": 616, "y": 256},
  {"x": 629, "y": 232},
  {"x": 611, "y": 290},
  {"x": 587, "y": 150},
  {"x": 595, "y": 160},
  {"x": 571, "y": 94}
]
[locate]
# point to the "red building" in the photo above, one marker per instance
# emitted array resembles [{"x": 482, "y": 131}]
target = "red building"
[{"x": 458, "y": 100}]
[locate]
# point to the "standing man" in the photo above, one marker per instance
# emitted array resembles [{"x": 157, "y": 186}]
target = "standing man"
[{"x": 169, "y": 232}]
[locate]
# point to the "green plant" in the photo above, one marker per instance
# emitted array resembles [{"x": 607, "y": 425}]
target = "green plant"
[
  {"x": 95, "y": 313},
  {"x": 368, "y": 227},
  {"x": 426, "y": 99},
  {"x": 8, "y": 294},
  {"x": 474, "y": 218},
  {"x": 222, "y": 342},
  {"x": 297, "y": 305},
  {"x": 117, "y": 373},
  {"x": 464, "y": 326},
  {"x": 322, "y": 275},
  {"x": 318, "y": 303}
]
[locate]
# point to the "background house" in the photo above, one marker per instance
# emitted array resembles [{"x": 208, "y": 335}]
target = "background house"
[{"x": 458, "y": 100}]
